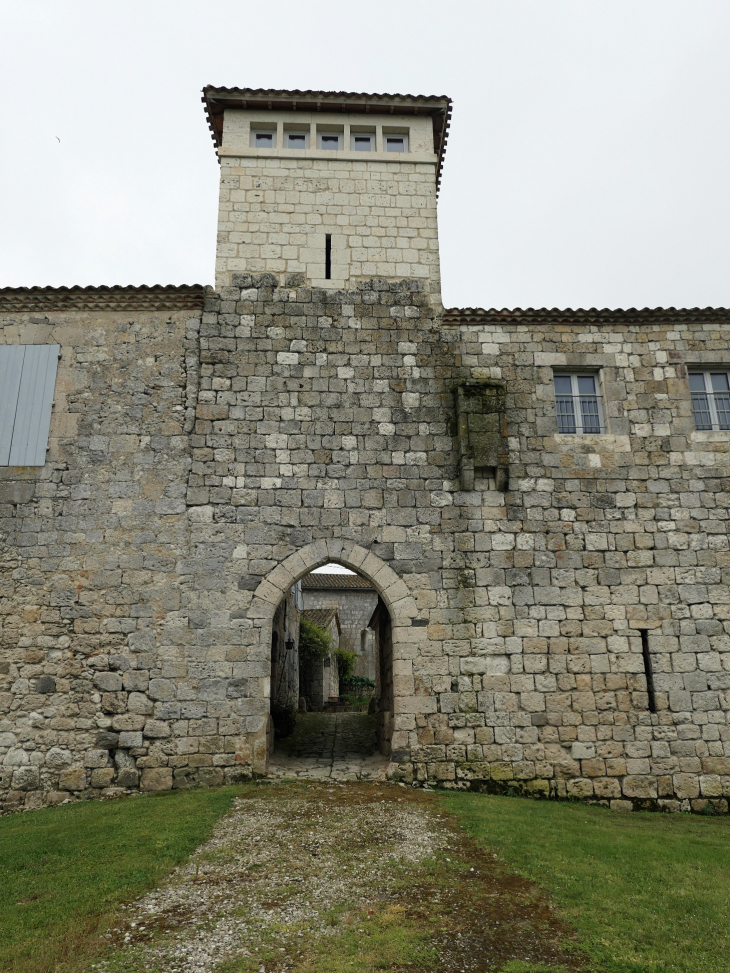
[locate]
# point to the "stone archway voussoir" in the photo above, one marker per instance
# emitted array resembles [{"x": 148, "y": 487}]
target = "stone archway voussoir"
[
  {"x": 281, "y": 577},
  {"x": 397, "y": 591},
  {"x": 267, "y": 591},
  {"x": 296, "y": 565},
  {"x": 261, "y": 608},
  {"x": 404, "y": 608}
]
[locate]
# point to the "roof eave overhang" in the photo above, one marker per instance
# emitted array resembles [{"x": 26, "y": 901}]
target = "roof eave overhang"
[
  {"x": 455, "y": 316},
  {"x": 157, "y": 297},
  {"x": 437, "y": 107}
]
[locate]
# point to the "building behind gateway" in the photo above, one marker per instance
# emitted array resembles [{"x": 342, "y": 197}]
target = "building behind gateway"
[{"x": 539, "y": 497}]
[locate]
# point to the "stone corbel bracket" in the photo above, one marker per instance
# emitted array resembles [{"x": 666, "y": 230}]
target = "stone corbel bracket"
[{"x": 481, "y": 425}]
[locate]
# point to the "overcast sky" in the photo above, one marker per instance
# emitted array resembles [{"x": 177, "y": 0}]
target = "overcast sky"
[{"x": 587, "y": 164}]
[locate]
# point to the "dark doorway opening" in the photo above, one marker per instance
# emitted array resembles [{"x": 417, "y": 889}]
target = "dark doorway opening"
[{"x": 342, "y": 662}]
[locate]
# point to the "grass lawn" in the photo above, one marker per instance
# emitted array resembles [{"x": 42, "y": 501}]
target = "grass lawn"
[
  {"x": 64, "y": 870},
  {"x": 645, "y": 892}
]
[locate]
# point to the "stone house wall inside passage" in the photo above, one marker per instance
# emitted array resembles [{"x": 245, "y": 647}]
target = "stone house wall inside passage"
[
  {"x": 320, "y": 678},
  {"x": 355, "y": 609},
  {"x": 285, "y": 673}
]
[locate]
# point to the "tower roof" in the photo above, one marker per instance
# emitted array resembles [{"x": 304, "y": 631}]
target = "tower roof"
[{"x": 438, "y": 107}]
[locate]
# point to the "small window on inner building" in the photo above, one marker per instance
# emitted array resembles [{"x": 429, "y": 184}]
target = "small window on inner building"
[
  {"x": 578, "y": 404},
  {"x": 710, "y": 391},
  {"x": 329, "y": 141},
  {"x": 297, "y": 140},
  {"x": 362, "y": 142},
  {"x": 396, "y": 143}
]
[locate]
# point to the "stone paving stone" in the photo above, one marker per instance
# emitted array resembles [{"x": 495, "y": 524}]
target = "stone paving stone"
[{"x": 337, "y": 746}]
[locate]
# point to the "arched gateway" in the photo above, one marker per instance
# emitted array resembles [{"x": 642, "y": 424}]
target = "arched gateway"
[{"x": 400, "y": 606}]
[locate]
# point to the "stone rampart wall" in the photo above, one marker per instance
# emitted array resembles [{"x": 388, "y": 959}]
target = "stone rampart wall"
[
  {"x": 143, "y": 565},
  {"x": 601, "y": 537},
  {"x": 90, "y": 546}
]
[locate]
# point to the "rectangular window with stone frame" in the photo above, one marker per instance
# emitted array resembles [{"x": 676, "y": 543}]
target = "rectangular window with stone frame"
[
  {"x": 578, "y": 404},
  {"x": 710, "y": 391}
]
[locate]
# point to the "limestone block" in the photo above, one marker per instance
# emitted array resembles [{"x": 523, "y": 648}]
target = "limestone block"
[
  {"x": 128, "y": 777},
  {"x": 136, "y": 680},
  {"x": 96, "y": 758},
  {"x": 107, "y": 740},
  {"x": 711, "y": 785},
  {"x": 606, "y": 788},
  {"x": 102, "y": 777},
  {"x": 156, "y": 730},
  {"x": 162, "y": 689},
  {"x": 156, "y": 779},
  {"x": 686, "y": 786},
  {"x": 641, "y": 786},
  {"x": 108, "y": 681},
  {"x": 140, "y": 704},
  {"x": 72, "y": 779},
  {"x": 130, "y": 738},
  {"x": 580, "y": 787},
  {"x": 58, "y": 757},
  {"x": 25, "y": 779}
]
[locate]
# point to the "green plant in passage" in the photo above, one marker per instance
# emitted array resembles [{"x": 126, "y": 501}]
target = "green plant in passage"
[
  {"x": 345, "y": 664},
  {"x": 315, "y": 642}
]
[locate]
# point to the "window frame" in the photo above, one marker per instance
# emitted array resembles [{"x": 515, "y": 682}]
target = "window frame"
[
  {"x": 298, "y": 133},
  {"x": 370, "y": 136},
  {"x": 261, "y": 130},
  {"x": 717, "y": 423},
  {"x": 340, "y": 136},
  {"x": 395, "y": 135},
  {"x": 575, "y": 394}
]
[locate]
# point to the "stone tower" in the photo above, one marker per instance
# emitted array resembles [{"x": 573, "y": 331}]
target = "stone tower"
[{"x": 338, "y": 187}]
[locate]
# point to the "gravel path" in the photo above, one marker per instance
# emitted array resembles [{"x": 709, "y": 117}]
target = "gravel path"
[
  {"x": 263, "y": 894},
  {"x": 273, "y": 862}
]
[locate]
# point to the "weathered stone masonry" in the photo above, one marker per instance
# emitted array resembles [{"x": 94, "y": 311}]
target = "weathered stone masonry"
[
  {"x": 135, "y": 612},
  {"x": 208, "y": 449}
]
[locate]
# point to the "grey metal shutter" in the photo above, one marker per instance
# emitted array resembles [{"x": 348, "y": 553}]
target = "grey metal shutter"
[
  {"x": 27, "y": 383},
  {"x": 11, "y": 367}
]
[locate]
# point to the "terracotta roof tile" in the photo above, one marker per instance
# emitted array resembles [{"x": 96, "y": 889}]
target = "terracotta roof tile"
[
  {"x": 157, "y": 297},
  {"x": 322, "y": 616},
  {"x": 326, "y": 580},
  {"x": 455, "y": 316}
]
